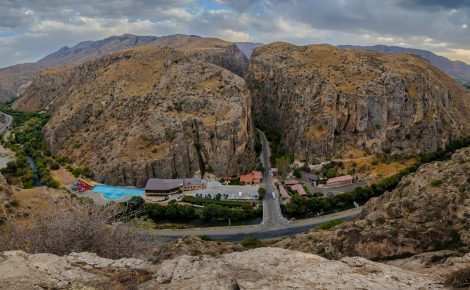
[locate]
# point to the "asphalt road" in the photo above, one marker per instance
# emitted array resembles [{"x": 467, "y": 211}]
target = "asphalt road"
[
  {"x": 237, "y": 233},
  {"x": 274, "y": 225},
  {"x": 7, "y": 123},
  {"x": 272, "y": 215}
]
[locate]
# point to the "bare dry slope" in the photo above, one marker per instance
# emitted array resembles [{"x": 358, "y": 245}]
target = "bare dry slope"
[
  {"x": 147, "y": 112},
  {"x": 326, "y": 101},
  {"x": 14, "y": 79},
  {"x": 428, "y": 211}
]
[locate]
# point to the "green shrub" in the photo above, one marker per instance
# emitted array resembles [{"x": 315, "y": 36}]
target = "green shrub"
[
  {"x": 54, "y": 166},
  {"x": 436, "y": 182},
  {"x": 251, "y": 242},
  {"x": 205, "y": 238},
  {"x": 463, "y": 186},
  {"x": 14, "y": 203},
  {"x": 329, "y": 225}
]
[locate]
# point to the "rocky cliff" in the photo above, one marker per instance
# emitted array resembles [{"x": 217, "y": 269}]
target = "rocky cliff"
[
  {"x": 428, "y": 211},
  {"x": 14, "y": 79},
  {"x": 262, "y": 268},
  {"x": 326, "y": 101},
  {"x": 147, "y": 112}
]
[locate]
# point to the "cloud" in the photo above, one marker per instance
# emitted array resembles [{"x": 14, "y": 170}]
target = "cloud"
[{"x": 29, "y": 29}]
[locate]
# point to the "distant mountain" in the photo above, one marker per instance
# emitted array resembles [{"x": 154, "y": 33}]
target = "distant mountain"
[
  {"x": 90, "y": 49},
  {"x": 248, "y": 47},
  {"x": 15, "y": 78},
  {"x": 456, "y": 69}
]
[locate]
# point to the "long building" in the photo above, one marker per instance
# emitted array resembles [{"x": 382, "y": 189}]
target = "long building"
[
  {"x": 339, "y": 180},
  {"x": 163, "y": 187}
]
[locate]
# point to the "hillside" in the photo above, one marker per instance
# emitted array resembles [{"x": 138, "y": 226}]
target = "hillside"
[
  {"x": 456, "y": 69},
  {"x": 428, "y": 211},
  {"x": 13, "y": 79},
  {"x": 327, "y": 102},
  {"x": 147, "y": 112}
]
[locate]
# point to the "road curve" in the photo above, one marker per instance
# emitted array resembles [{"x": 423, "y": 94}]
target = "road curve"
[
  {"x": 237, "y": 233},
  {"x": 8, "y": 119}
]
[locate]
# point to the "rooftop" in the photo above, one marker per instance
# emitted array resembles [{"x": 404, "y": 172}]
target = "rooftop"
[
  {"x": 340, "y": 178},
  {"x": 163, "y": 184},
  {"x": 308, "y": 176},
  {"x": 290, "y": 181},
  {"x": 299, "y": 188}
]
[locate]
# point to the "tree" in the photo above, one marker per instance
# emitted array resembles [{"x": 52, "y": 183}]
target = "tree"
[
  {"x": 297, "y": 172},
  {"x": 283, "y": 165},
  {"x": 261, "y": 193}
]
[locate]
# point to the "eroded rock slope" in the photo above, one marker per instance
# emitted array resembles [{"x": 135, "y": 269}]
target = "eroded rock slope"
[
  {"x": 147, "y": 112},
  {"x": 14, "y": 79},
  {"x": 326, "y": 101},
  {"x": 428, "y": 211}
]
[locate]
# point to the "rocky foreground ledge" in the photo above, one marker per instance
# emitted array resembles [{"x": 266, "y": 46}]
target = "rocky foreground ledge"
[{"x": 262, "y": 268}]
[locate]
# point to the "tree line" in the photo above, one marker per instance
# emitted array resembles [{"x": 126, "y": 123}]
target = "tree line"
[{"x": 311, "y": 204}]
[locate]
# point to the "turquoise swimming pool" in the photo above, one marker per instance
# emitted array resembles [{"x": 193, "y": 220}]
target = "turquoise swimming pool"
[{"x": 117, "y": 192}]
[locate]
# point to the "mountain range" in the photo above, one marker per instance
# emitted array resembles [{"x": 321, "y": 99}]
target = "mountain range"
[
  {"x": 456, "y": 69},
  {"x": 15, "y": 78}
]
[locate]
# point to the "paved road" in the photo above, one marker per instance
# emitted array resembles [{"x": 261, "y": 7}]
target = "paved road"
[
  {"x": 272, "y": 216},
  {"x": 274, "y": 225},
  {"x": 8, "y": 119},
  {"x": 237, "y": 233}
]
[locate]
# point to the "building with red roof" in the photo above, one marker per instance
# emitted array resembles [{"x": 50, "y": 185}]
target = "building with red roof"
[
  {"x": 291, "y": 182},
  {"x": 283, "y": 192},
  {"x": 340, "y": 180},
  {"x": 299, "y": 188},
  {"x": 253, "y": 177}
]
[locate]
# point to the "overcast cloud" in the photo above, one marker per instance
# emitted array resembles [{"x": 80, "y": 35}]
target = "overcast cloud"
[{"x": 30, "y": 29}]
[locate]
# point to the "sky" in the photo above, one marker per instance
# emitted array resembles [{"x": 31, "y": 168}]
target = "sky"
[{"x": 31, "y": 29}]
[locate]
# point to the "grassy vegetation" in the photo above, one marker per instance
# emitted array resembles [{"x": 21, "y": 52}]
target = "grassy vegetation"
[
  {"x": 78, "y": 171},
  {"x": 212, "y": 210},
  {"x": 307, "y": 206},
  {"x": 436, "y": 182},
  {"x": 26, "y": 140},
  {"x": 250, "y": 242},
  {"x": 280, "y": 158},
  {"x": 329, "y": 225},
  {"x": 206, "y": 201}
]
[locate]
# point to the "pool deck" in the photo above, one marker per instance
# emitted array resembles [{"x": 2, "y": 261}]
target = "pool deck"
[{"x": 96, "y": 197}]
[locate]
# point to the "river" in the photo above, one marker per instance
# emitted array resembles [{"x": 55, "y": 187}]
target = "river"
[{"x": 32, "y": 164}]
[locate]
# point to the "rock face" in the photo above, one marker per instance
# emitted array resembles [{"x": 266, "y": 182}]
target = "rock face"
[
  {"x": 326, "y": 101},
  {"x": 20, "y": 270},
  {"x": 262, "y": 268},
  {"x": 14, "y": 79},
  {"x": 147, "y": 112},
  {"x": 265, "y": 268},
  {"x": 428, "y": 211}
]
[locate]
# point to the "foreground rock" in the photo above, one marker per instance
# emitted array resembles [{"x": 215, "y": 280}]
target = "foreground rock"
[
  {"x": 428, "y": 211},
  {"x": 265, "y": 268},
  {"x": 19, "y": 270},
  {"x": 147, "y": 112},
  {"x": 262, "y": 268},
  {"x": 325, "y": 101}
]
